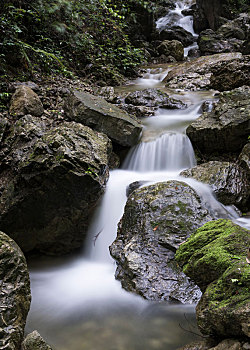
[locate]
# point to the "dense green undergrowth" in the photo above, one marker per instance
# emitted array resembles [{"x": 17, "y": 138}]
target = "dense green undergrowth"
[{"x": 88, "y": 38}]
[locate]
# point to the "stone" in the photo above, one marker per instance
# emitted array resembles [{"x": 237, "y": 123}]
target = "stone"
[
  {"x": 177, "y": 33},
  {"x": 244, "y": 158},
  {"x": 98, "y": 114},
  {"x": 51, "y": 180},
  {"x": 226, "y": 127},
  {"x": 215, "y": 258},
  {"x": 195, "y": 74},
  {"x": 153, "y": 98},
  {"x": 228, "y": 181},
  {"x": 230, "y": 75},
  {"x": 157, "y": 219},
  {"x": 15, "y": 293},
  {"x": 25, "y": 101},
  {"x": 228, "y": 344},
  {"x": 34, "y": 341},
  {"x": 172, "y": 48}
]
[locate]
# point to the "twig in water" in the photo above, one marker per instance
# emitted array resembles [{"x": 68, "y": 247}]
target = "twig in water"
[{"x": 96, "y": 236}]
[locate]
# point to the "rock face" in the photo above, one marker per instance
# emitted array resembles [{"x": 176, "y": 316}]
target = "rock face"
[
  {"x": 215, "y": 258},
  {"x": 177, "y": 33},
  {"x": 196, "y": 74},
  {"x": 172, "y": 48},
  {"x": 244, "y": 158},
  {"x": 226, "y": 127},
  {"x": 230, "y": 75},
  {"x": 51, "y": 180},
  {"x": 156, "y": 220},
  {"x": 102, "y": 116},
  {"x": 211, "y": 43},
  {"x": 34, "y": 341},
  {"x": 228, "y": 181},
  {"x": 25, "y": 101},
  {"x": 15, "y": 293}
]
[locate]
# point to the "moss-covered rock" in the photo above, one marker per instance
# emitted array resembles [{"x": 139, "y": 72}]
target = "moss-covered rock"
[
  {"x": 51, "y": 180},
  {"x": 34, "y": 341},
  {"x": 215, "y": 258},
  {"x": 25, "y": 101},
  {"x": 14, "y": 292}
]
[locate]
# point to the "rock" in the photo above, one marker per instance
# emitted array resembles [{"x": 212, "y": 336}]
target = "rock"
[
  {"x": 196, "y": 74},
  {"x": 215, "y": 258},
  {"x": 226, "y": 127},
  {"x": 138, "y": 111},
  {"x": 230, "y": 75},
  {"x": 34, "y": 341},
  {"x": 25, "y": 101},
  {"x": 153, "y": 98},
  {"x": 179, "y": 34},
  {"x": 244, "y": 158},
  {"x": 102, "y": 116},
  {"x": 3, "y": 126},
  {"x": 228, "y": 344},
  {"x": 172, "y": 48},
  {"x": 199, "y": 345},
  {"x": 156, "y": 220},
  {"x": 228, "y": 181},
  {"x": 51, "y": 180},
  {"x": 210, "y": 43},
  {"x": 15, "y": 293}
]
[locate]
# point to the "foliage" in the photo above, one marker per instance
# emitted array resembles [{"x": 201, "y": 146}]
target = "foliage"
[{"x": 84, "y": 37}]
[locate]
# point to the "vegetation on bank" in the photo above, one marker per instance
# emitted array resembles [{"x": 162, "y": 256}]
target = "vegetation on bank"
[{"x": 87, "y": 38}]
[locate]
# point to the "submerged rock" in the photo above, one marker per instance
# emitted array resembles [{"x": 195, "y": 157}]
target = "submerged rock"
[
  {"x": 102, "y": 116},
  {"x": 25, "y": 101},
  {"x": 157, "y": 219},
  {"x": 228, "y": 181},
  {"x": 15, "y": 293},
  {"x": 215, "y": 258},
  {"x": 34, "y": 341},
  {"x": 226, "y": 127},
  {"x": 51, "y": 180}
]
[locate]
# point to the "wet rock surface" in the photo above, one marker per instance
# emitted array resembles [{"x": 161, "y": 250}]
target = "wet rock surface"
[
  {"x": 195, "y": 75},
  {"x": 177, "y": 33},
  {"x": 98, "y": 114},
  {"x": 51, "y": 180},
  {"x": 244, "y": 158},
  {"x": 172, "y": 48},
  {"x": 15, "y": 293},
  {"x": 226, "y": 127},
  {"x": 34, "y": 341},
  {"x": 157, "y": 219},
  {"x": 228, "y": 181},
  {"x": 215, "y": 258}
]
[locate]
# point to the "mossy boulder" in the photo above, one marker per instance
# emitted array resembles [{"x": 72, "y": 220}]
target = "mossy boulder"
[
  {"x": 215, "y": 258},
  {"x": 15, "y": 293},
  {"x": 226, "y": 127},
  {"x": 51, "y": 180},
  {"x": 98, "y": 114},
  {"x": 156, "y": 220},
  {"x": 228, "y": 181},
  {"x": 34, "y": 341},
  {"x": 172, "y": 48},
  {"x": 25, "y": 101}
]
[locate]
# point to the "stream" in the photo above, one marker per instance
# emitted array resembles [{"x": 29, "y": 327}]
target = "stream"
[{"x": 76, "y": 302}]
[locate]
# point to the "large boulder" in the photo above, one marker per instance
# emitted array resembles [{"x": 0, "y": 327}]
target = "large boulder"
[
  {"x": 15, "y": 293},
  {"x": 228, "y": 181},
  {"x": 226, "y": 127},
  {"x": 177, "y": 33},
  {"x": 215, "y": 258},
  {"x": 51, "y": 180},
  {"x": 34, "y": 341},
  {"x": 156, "y": 220},
  {"x": 173, "y": 48},
  {"x": 102, "y": 116},
  {"x": 25, "y": 101},
  {"x": 229, "y": 75},
  {"x": 196, "y": 74}
]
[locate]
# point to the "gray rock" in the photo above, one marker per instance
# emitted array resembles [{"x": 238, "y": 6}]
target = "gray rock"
[
  {"x": 102, "y": 116},
  {"x": 15, "y": 293},
  {"x": 228, "y": 181},
  {"x": 153, "y": 98},
  {"x": 156, "y": 220},
  {"x": 34, "y": 341},
  {"x": 25, "y": 101},
  {"x": 172, "y": 48},
  {"x": 226, "y": 127},
  {"x": 51, "y": 180},
  {"x": 244, "y": 158},
  {"x": 177, "y": 33}
]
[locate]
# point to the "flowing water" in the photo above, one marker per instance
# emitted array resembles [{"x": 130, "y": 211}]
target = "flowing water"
[{"x": 76, "y": 302}]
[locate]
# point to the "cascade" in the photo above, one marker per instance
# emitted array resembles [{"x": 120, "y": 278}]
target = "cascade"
[{"x": 77, "y": 303}]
